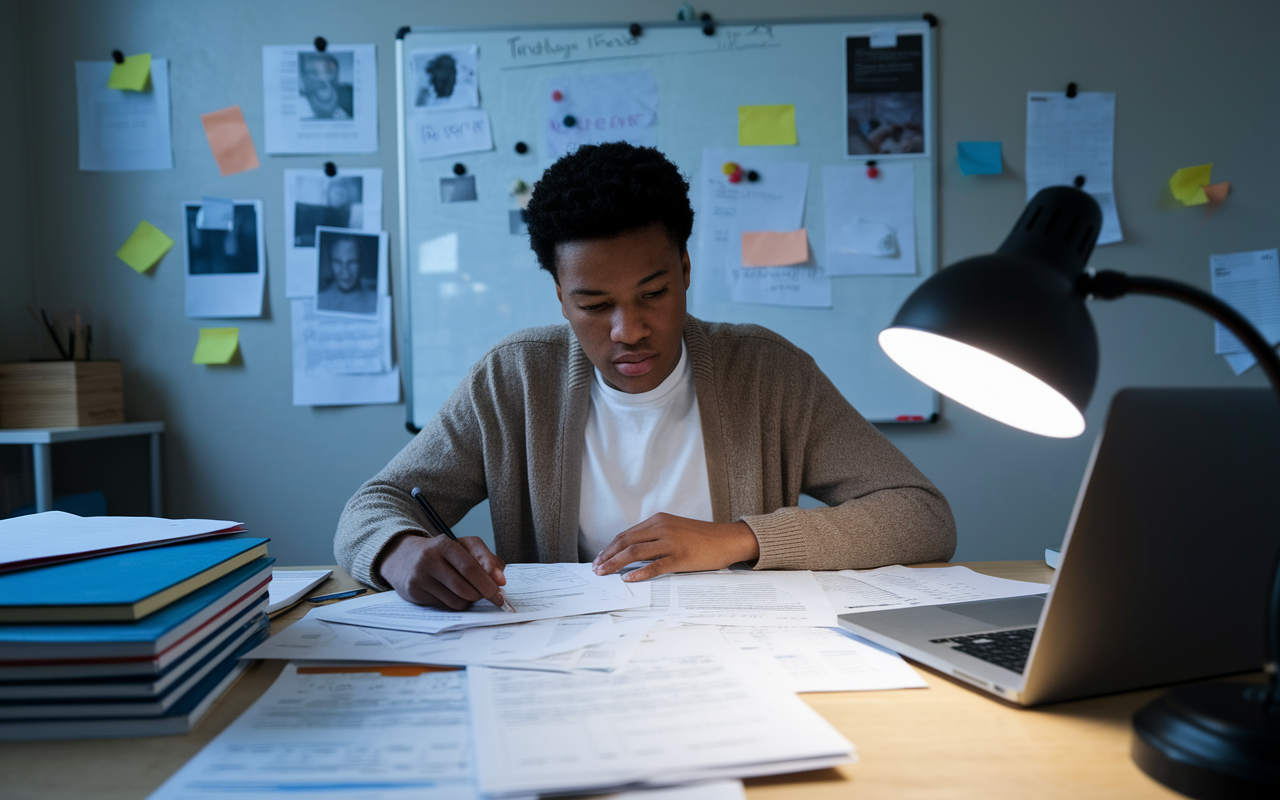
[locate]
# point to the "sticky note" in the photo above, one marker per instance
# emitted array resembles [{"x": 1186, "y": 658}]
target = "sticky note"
[
  {"x": 216, "y": 346},
  {"x": 144, "y": 247},
  {"x": 1187, "y": 184},
  {"x": 979, "y": 158},
  {"x": 774, "y": 248},
  {"x": 766, "y": 125},
  {"x": 133, "y": 75},
  {"x": 1217, "y": 193},
  {"x": 229, "y": 140}
]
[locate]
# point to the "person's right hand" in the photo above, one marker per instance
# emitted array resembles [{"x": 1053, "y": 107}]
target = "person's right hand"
[{"x": 437, "y": 571}]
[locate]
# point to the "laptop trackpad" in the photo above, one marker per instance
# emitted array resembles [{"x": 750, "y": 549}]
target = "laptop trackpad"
[{"x": 1009, "y": 612}]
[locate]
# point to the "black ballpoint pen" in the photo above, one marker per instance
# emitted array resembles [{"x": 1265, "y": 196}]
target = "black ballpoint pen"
[{"x": 440, "y": 526}]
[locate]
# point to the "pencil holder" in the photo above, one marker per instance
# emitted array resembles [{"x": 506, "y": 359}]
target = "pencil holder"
[{"x": 60, "y": 394}]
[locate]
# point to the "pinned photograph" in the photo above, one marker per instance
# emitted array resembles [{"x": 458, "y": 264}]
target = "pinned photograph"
[
  {"x": 350, "y": 198},
  {"x": 885, "y": 96},
  {"x": 320, "y": 101},
  {"x": 446, "y": 78},
  {"x": 458, "y": 190},
  {"x": 225, "y": 258},
  {"x": 351, "y": 275}
]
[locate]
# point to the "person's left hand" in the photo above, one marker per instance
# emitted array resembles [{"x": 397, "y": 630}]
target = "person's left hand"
[{"x": 677, "y": 544}]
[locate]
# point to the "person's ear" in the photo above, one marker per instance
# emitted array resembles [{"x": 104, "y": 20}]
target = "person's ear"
[{"x": 687, "y": 266}]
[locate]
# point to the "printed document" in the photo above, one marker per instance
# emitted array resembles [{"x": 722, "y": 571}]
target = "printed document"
[
  {"x": 288, "y": 586},
  {"x": 1070, "y": 137},
  {"x": 674, "y": 715},
  {"x": 121, "y": 131},
  {"x": 903, "y": 587},
  {"x": 1250, "y": 283},
  {"x": 825, "y": 659},
  {"x": 782, "y": 597},
  {"x": 536, "y": 591}
]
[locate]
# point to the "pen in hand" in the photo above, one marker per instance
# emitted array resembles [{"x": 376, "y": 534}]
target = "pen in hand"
[{"x": 439, "y": 524}]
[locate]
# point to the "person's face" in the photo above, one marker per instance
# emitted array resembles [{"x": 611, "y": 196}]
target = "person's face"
[
  {"x": 320, "y": 86},
  {"x": 625, "y": 300},
  {"x": 338, "y": 194},
  {"x": 344, "y": 257}
]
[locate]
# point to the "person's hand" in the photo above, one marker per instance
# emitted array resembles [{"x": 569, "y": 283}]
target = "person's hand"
[
  {"x": 440, "y": 572},
  {"x": 677, "y": 544}
]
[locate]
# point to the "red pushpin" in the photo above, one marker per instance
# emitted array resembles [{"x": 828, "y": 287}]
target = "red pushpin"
[
  {"x": 557, "y": 95},
  {"x": 736, "y": 177},
  {"x": 872, "y": 170}
]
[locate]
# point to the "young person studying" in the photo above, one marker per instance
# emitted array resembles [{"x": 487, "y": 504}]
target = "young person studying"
[{"x": 636, "y": 432}]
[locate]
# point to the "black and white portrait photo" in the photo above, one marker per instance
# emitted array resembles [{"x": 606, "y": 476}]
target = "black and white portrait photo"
[
  {"x": 226, "y": 257},
  {"x": 325, "y": 82},
  {"x": 347, "y": 280},
  {"x": 446, "y": 78},
  {"x": 336, "y": 202},
  {"x": 221, "y": 252}
]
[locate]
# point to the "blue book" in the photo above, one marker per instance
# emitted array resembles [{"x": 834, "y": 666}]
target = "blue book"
[
  {"x": 121, "y": 587},
  {"x": 154, "y": 638}
]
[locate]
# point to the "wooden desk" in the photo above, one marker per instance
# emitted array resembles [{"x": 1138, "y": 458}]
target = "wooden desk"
[{"x": 941, "y": 743}]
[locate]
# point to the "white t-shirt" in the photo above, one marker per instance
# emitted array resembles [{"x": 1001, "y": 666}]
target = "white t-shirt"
[{"x": 643, "y": 454}]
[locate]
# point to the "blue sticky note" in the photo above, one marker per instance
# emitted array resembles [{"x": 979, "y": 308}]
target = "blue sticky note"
[{"x": 979, "y": 158}]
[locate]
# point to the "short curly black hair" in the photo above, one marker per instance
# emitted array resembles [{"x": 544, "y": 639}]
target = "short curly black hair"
[{"x": 602, "y": 190}]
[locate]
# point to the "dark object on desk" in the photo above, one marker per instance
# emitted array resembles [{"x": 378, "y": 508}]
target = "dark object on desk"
[
  {"x": 432, "y": 516},
  {"x": 1008, "y": 334},
  {"x": 324, "y": 598},
  {"x": 61, "y": 394}
]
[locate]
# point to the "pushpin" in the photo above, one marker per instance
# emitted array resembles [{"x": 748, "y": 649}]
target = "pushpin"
[
  {"x": 1079, "y": 182},
  {"x": 729, "y": 168},
  {"x": 557, "y": 95},
  {"x": 519, "y": 187},
  {"x": 330, "y": 168},
  {"x": 753, "y": 176},
  {"x": 570, "y": 120},
  {"x": 117, "y": 56},
  {"x": 736, "y": 177},
  {"x": 522, "y": 148},
  {"x": 459, "y": 169},
  {"x": 872, "y": 171}
]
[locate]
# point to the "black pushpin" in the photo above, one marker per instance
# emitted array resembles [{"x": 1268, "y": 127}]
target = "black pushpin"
[
  {"x": 1079, "y": 181},
  {"x": 117, "y": 56},
  {"x": 321, "y": 44},
  {"x": 708, "y": 27},
  {"x": 459, "y": 169},
  {"x": 1071, "y": 90},
  {"x": 330, "y": 168},
  {"x": 752, "y": 175},
  {"x": 522, "y": 148},
  {"x": 635, "y": 29},
  {"x": 570, "y": 120}
]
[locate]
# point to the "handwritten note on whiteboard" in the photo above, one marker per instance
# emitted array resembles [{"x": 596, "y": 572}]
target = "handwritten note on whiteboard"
[
  {"x": 607, "y": 107},
  {"x": 446, "y": 133}
]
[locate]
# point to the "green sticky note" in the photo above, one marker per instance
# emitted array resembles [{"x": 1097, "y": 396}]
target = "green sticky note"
[
  {"x": 766, "y": 125},
  {"x": 1187, "y": 184},
  {"x": 145, "y": 247},
  {"x": 216, "y": 346},
  {"x": 132, "y": 75}
]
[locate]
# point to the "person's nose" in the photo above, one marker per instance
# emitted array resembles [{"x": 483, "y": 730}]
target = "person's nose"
[{"x": 629, "y": 326}]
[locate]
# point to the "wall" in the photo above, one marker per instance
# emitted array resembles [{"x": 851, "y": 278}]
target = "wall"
[
  {"x": 1192, "y": 87},
  {"x": 17, "y": 286}
]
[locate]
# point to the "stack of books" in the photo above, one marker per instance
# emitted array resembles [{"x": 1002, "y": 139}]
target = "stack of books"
[{"x": 133, "y": 643}]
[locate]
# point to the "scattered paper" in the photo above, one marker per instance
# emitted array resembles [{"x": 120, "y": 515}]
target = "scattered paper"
[
  {"x": 774, "y": 248},
  {"x": 724, "y": 597},
  {"x": 871, "y": 227},
  {"x": 288, "y": 586},
  {"x": 438, "y": 255},
  {"x": 766, "y": 125},
  {"x": 903, "y": 587},
  {"x": 1250, "y": 283},
  {"x": 341, "y": 344},
  {"x": 536, "y": 591},
  {"x": 979, "y": 158},
  {"x": 225, "y": 269},
  {"x": 825, "y": 659},
  {"x": 1187, "y": 184},
  {"x": 229, "y": 140},
  {"x": 350, "y": 199},
  {"x": 144, "y": 248},
  {"x": 774, "y": 202},
  {"x": 340, "y": 735},
  {"x": 320, "y": 102},
  {"x": 604, "y": 107},
  {"x": 216, "y": 346},
  {"x": 1070, "y": 137},
  {"x": 445, "y": 78},
  {"x": 122, "y": 131},
  {"x": 435, "y": 134},
  {"x": 132, "y": 74}
]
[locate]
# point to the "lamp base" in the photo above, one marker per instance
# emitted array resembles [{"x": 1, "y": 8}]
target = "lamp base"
[{"x": 1210, "y": 741}]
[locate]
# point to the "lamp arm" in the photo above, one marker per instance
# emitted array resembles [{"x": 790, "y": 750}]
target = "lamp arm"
[{"x": 1110, "y": 285}]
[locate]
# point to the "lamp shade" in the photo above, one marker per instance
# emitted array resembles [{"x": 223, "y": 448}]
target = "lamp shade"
[{"x": 1008, "y": 334}]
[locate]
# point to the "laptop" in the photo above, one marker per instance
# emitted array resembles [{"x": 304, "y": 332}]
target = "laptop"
[{"x": 1166, "y": 568}]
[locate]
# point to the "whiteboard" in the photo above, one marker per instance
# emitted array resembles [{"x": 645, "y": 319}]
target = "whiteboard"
[{"x": 450, "y": 319}]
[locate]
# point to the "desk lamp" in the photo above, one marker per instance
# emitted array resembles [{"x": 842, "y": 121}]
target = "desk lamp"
[{"x": 1008, "y": 335}]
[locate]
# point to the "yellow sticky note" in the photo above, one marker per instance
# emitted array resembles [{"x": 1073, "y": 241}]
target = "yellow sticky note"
[
  {"x": 216, "y": 346},
  {"x": 774, "y": 248},
  {"x": 1187, "y": 184},
  {"x": 766, "y": 125},
  {"x": 144, "y": 247},
  {"x": 132, "y": 75}
]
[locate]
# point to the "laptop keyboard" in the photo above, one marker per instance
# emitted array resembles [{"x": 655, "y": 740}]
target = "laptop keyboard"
[{"x": 1008, "y": 649}]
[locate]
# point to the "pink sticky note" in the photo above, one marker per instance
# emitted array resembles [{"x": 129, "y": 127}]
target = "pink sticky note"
[
  {"x": 229, "y": 140},
  {"x": 1217, "y": 194},
  {"x": 774, "y": 248}
]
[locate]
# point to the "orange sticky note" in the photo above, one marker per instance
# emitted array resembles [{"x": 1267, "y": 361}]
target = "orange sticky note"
[
  {"x": 1216, "y": 193},
  {"x": 774, "y": 248},
  {"x": 229, "y": 140}
]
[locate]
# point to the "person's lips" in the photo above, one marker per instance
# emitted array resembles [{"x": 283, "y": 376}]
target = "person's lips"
[{"x": 635, "y": 364}]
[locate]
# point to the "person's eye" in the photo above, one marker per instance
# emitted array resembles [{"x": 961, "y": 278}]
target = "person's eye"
[
  {"x": 656, "y": 293},
  {"x": 594, "y": 307}
]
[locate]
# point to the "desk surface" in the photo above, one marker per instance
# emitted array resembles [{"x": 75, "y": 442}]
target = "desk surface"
[
  {"x": 947, "y": 741},
  {"x": 56, "y": 435}
]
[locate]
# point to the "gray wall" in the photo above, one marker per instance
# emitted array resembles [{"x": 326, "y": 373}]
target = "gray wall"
[{"x": 1193, "y": 84}]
